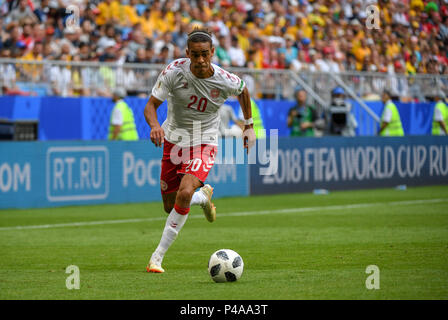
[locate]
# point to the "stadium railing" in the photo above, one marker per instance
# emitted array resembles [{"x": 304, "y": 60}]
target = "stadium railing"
[
  {"x": 77, "y": 78},
  {"x": 369, "y": 85}
]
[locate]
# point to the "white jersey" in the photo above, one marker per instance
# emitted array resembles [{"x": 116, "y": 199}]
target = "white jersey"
[{"x": 193, "y": 103}]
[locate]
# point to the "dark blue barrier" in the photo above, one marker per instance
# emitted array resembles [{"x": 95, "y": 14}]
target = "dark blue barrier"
[
  {"x": 17, "y": 107},
  {"x": 47, "y": 174},
  {"x": 274, "y": 114},
  {"x": 88, "y": 118},
  {"x": 96, "y": 115},
  {"x": 415, "y": 117},
  {"x": 337, "y": 163}
]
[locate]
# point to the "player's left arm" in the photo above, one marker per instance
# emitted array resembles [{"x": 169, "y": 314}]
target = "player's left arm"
[{"x": 249, "y": 137}]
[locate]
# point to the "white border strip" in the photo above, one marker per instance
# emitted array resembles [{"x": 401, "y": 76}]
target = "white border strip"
[{"x": 228, "y": 214}]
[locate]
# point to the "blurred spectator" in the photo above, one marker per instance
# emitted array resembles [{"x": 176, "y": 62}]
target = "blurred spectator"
[
  {"x": 108, "y": 11},
  {"x": 130, "y": 16},
  {"x": 398, "y": 83},
  {"x": 237, "y": 56},
  {"x": 165, "y": 40},
  {"x": 222, "y": 52},
  {"x": 60, "y": 80},
  {"x": 107, "y": 75},
  {"x": 340, "y": 121},
  {"x": 141, "y": 56},
  {"x": 313, "y": 35},
  {"x": 302, "y": 116},
  {"x": 7, "y": 70},
  {"x": 290, "y": 51},
  {"x": 22, "y": 12},
  {"x": 180, "y": 36},
  {"x": 33, "y": 71}
]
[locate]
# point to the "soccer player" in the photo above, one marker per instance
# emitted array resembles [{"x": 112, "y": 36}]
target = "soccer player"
[{"x": 195, "y": 89}]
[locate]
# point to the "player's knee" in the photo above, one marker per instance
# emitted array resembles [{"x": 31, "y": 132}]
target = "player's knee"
[{"x": 184, "y": 195}]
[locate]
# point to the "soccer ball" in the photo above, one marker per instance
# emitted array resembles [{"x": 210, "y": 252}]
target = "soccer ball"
[{"x": 225, "y": 265}]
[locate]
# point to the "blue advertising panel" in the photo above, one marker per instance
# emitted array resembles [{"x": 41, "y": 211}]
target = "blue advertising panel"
[
  {"x": 44, "y": 174},
  {"x": 87, "y": 118},
  {"x": 336, "y": 163}
]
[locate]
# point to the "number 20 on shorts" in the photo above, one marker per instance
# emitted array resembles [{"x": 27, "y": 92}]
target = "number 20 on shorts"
[{"x": 193, "y": 165}]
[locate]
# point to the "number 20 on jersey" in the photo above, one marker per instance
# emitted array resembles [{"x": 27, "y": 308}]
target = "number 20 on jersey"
[{"x": 200, "y": 105}]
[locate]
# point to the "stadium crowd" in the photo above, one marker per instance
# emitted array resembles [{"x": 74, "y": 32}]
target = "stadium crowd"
[{"x": 302, "y": 35}]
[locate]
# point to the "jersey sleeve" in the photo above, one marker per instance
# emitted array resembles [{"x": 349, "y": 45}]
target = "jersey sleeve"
[
  {"x": 233, "y": 84},
  {"x": 164, "y": 83}
]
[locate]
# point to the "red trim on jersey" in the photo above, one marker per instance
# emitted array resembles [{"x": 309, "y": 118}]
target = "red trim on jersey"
[{"x": 182, "y": 211}]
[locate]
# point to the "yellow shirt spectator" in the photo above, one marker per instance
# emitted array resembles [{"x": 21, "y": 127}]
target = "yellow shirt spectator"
[
  {"x": 386, "y": 16},
  {"x": 417, "y": 4},
  {"x": 32, "y": 69},
  {"x": 253, "y": 29},
  {"x": 305, "y": 28},
  {"x": 258, "y": 59},
  {"x": 131, "y": 16},
  {"x": 269, "y": 28},
  {"x": 165, "y": 23},
  {"x": 392, "y": 50},
  {"x": 361, "y": 54},
  {"x": 208, "y": 13},
  {"x": 149, "y": 24},
  {"x": 171, "y": 21},
  {"x": 410, "y": 69},
  {"x": 314, "y": 18},
  {"x": 109, "y": 9},
  {"x": 243, "y": 42}
]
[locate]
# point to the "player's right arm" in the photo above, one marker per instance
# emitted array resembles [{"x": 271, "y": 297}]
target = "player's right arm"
[
  {"x": 159, "y": 94},
  {"x": 157, "y": 134}
]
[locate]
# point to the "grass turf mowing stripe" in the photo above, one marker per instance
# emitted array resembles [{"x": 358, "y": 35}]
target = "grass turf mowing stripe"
[{"x": 229, "y": 214}]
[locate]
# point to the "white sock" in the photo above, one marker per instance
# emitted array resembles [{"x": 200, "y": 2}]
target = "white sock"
[
  {"x": 198, "y": 198},
  {"x": 174, "y": 223}
]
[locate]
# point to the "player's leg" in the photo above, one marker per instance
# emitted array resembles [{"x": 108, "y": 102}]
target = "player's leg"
[
  {"x": 200, "y": 166},
  {"x": 194, "y": 174},
  {"x": 170, "y": 181},
  {"x": 202, "y": 160},
  {"x": 168, "y": 201},
  {"x": 175, "y": 221},
  {"x": 188, "y": 185},
  {"x": 201, "y": 197}
]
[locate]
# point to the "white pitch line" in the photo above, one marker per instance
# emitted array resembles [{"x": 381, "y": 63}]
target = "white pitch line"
[{"x": 228, "y": 214}]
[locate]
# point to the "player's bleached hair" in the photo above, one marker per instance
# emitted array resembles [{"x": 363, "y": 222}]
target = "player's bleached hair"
[{"x": 200, "y": 35}]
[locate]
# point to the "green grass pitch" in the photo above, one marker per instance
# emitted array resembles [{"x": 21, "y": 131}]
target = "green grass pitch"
[{"x": 294, "y": 246}]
